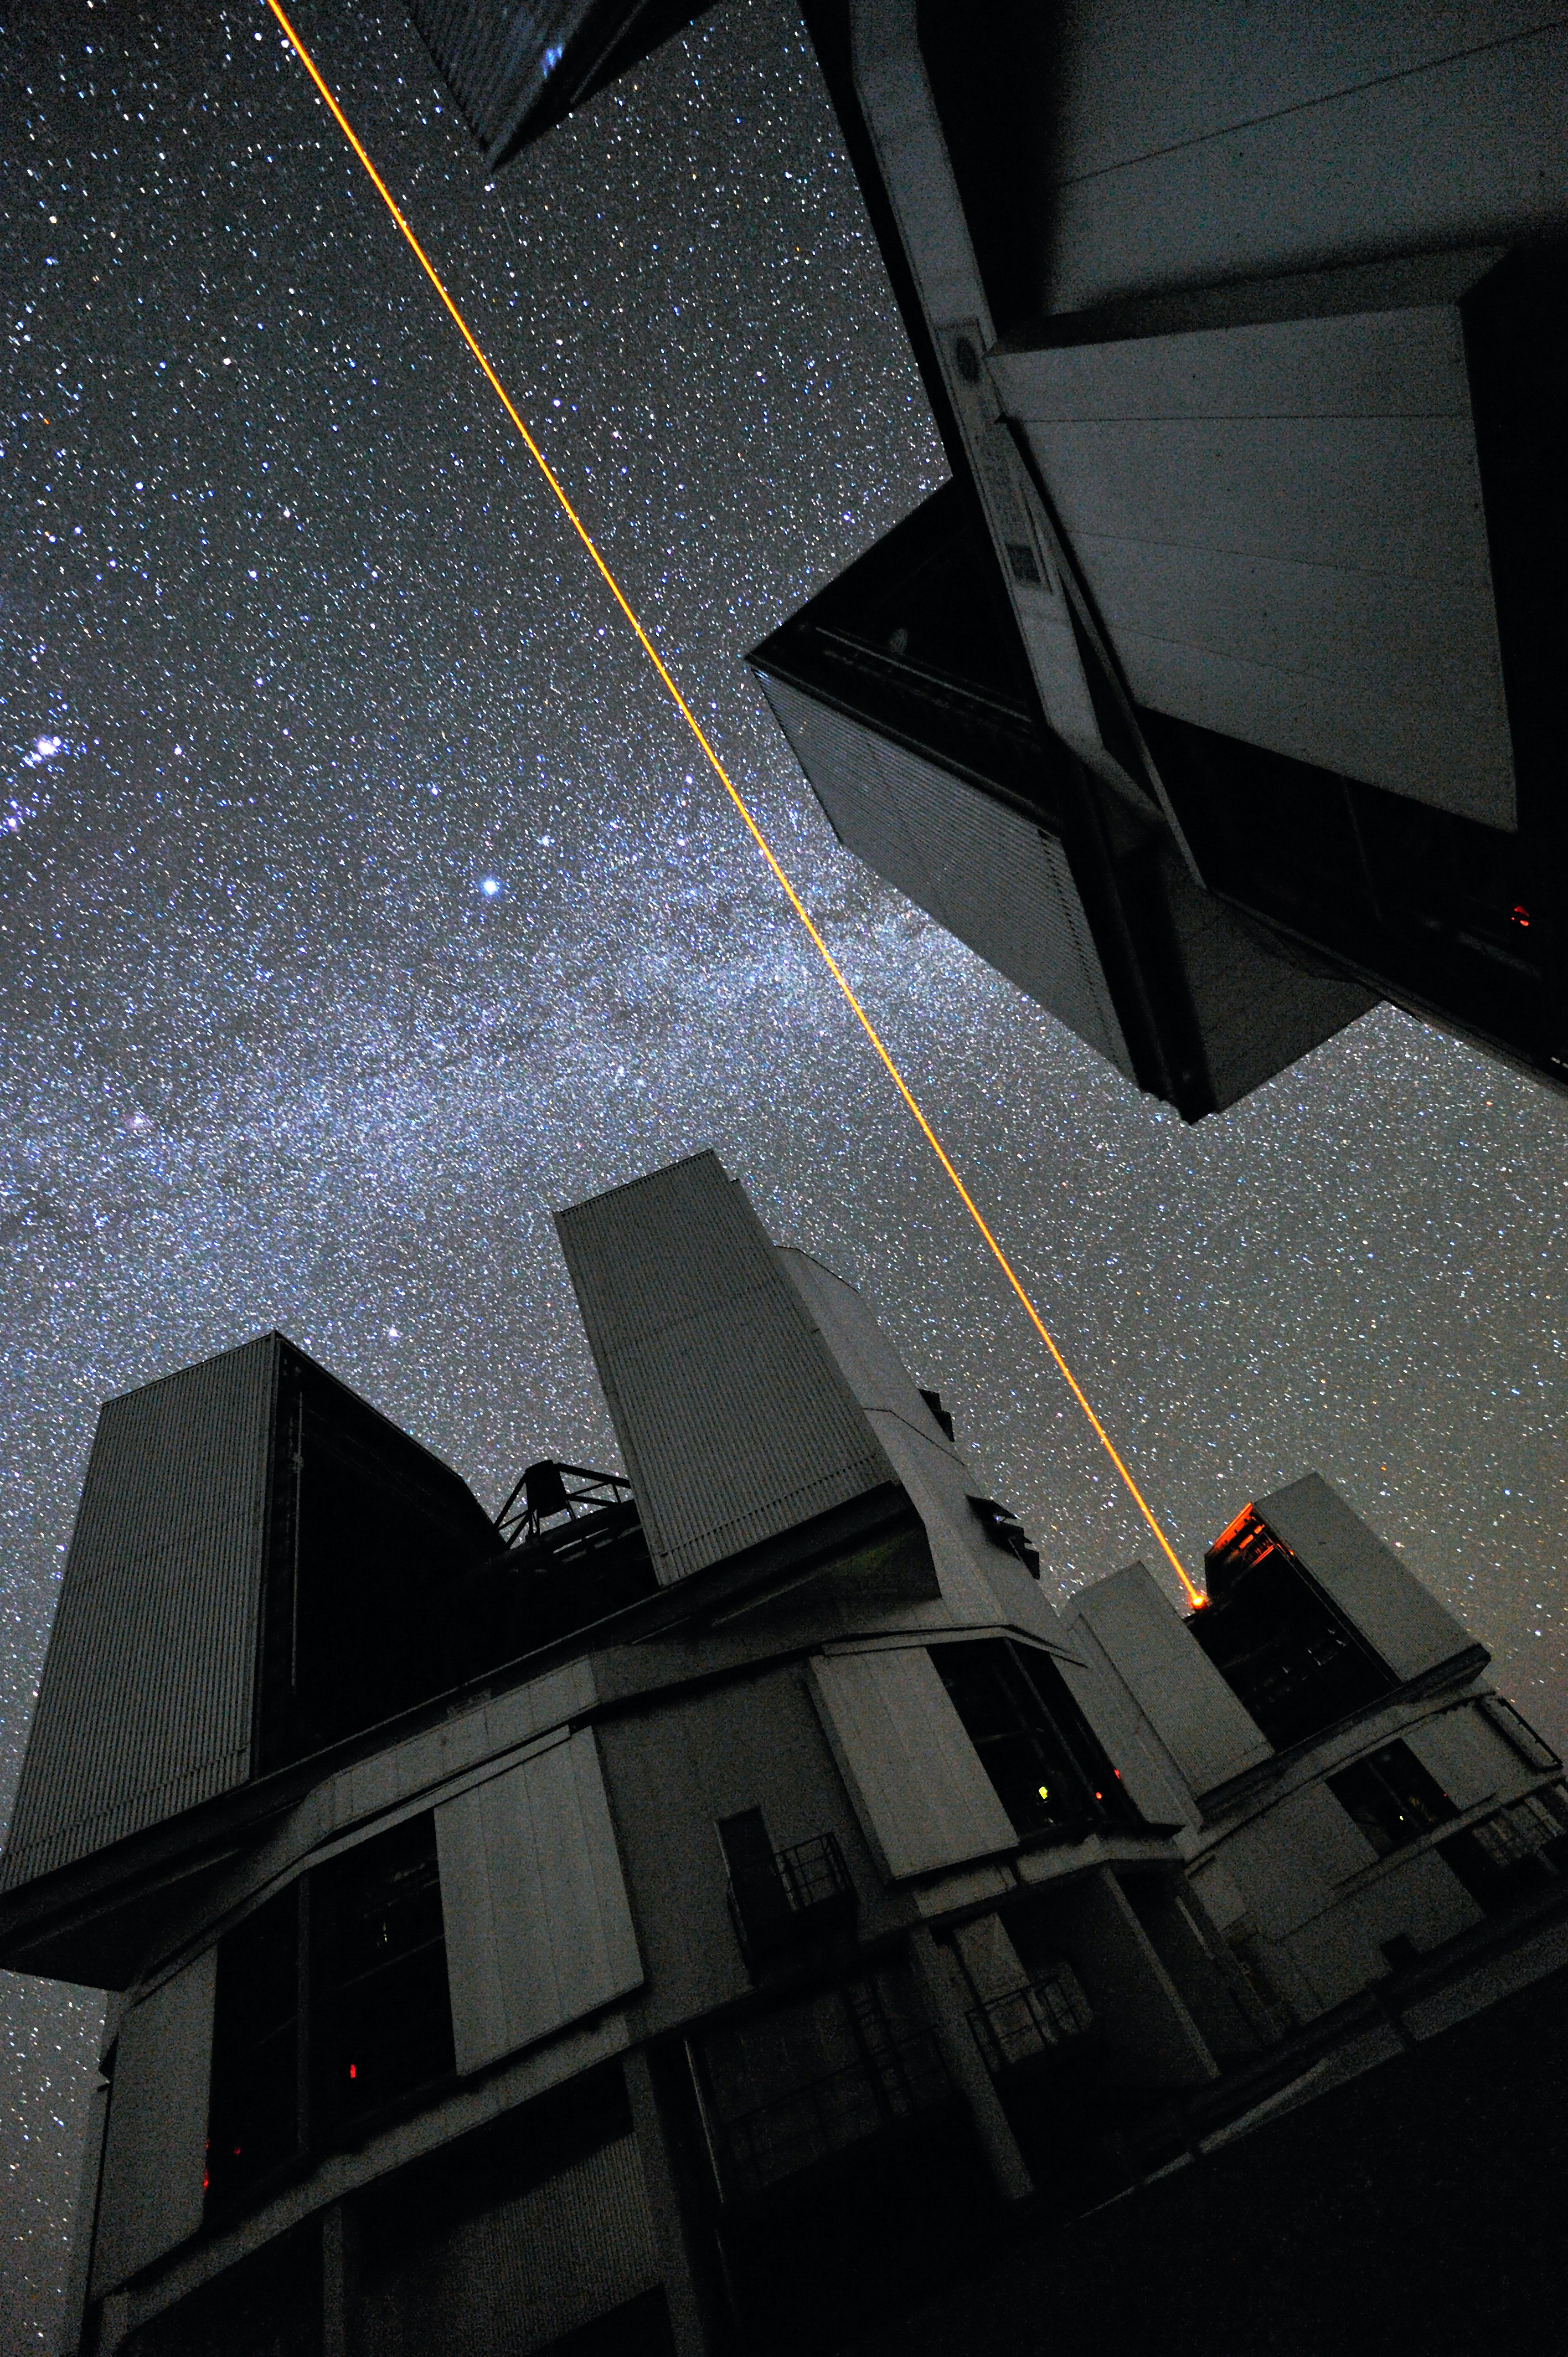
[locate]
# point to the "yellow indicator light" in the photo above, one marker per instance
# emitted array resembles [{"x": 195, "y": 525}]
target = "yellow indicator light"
[
  {"x": 764, "y": 846},
  {"x": 1044, "y": 1793}
]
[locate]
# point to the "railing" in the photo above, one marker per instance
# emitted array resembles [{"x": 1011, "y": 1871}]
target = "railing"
[
  {"x": 548, "y": 1490},
  {"x": 842, "y": 2108},
  {"x": 1034, "y": 2025},
  {"x": 791, "y": 1897}
]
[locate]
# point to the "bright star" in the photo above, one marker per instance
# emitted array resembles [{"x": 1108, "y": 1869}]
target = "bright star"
[{"x": 490, "y": 886}]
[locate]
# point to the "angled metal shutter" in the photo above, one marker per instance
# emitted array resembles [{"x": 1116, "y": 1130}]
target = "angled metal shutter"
[
  {"x": 539, "y": 1929},
  {"x": 920, "y": 1789},
  {"x": 989, "y": 875}
]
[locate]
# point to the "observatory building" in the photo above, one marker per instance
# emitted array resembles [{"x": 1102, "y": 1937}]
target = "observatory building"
[
  {"x": 1215, "y": 697},
  {"x": 707, "y": 1907}
]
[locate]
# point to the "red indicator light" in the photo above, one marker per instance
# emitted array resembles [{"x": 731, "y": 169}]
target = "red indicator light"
[
  {"x": 1522, "y": 917},
  {"x": 353, "y": 2070}
]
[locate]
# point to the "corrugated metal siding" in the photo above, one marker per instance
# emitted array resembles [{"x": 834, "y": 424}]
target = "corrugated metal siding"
[
  {"x": 920, "y": 1791},
  {"x": 979, "y": 867},
  {"x": 154, "y": 2155},
  {"x": 733, "y": 1420},
  {"x": 518, "y": 2276},
  {"x": 1397, "y": 1614},
  {"x": 146, "y": 1700},
  {"x": 539, "y": 1929}
]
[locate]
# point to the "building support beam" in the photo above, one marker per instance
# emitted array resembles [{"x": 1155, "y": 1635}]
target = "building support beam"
[{"x": 950, "y": 2025}]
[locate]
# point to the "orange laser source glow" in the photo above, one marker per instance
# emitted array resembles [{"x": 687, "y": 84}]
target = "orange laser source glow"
[{"x": 763, "y": 845}]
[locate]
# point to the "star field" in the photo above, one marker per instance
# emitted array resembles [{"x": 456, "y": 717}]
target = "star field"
[{"x": 360, "y": 899}]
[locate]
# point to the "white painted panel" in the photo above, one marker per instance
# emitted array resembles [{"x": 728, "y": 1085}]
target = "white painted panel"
[
  {"x": 1325, "y": 629},
  {"x": 982, "y": 869},
  {"x": 901, "y": 115},
  {"x": 1282, "y": 527},
  {"x": 539, "y": 1929},
  {"x": 1288, "y": 1863},
  {"x": 1192, "y": 1712},
  {"x": 164, "y": 1570},
  {"x": 735, "y": 1424},
  {"x": 1403, "y": 363},
  {"x": 1472, "y": 144},
  {"x": 1469, "y": 1759},
  {"x": 1394, "y": 496},
  {"x": 1355, "y": 728},
  {"x": 923, "y": 1799},
  {"x": 1221, "y": 68},
  {"x": 155, "y": 2155},
  {"x": 1394, "y": 1610}
]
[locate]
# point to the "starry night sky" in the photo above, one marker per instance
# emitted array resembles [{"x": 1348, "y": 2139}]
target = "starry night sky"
[{"x": 297, "y": 657}]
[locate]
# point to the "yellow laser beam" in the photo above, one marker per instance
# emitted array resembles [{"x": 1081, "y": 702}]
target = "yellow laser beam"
[{"x": 764, "y": 846}]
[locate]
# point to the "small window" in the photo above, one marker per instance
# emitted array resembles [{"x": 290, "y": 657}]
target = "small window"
[
  {"x": 1049, "y": 1769},
  {"x": 1392, "y": 1797}
]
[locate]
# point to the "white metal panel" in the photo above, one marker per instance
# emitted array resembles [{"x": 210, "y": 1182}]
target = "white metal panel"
[
  {"x": 539, "y": 1929},
  {"x": 1396, "y": 495},
  {"x": 154, "y": 2155},
  {"x": 1403, "y": 362},
  {"x": 923, "y": 1799},
  {"x": 146, "y": 1704},
  {"x": 1468, "y": 1757},
  {"x": 901, "y": 115},
  {"x": 1288, "y": 1863},
  {"x": 1204, "y": 1729},
  {"x": 998, "y": 881},
  {"x": 1276, "y": 138},
  {"x": 863, "y": 1352},
  {"x": 1282, "y": 528},
  {"x": 1397, "y": 1614},
  {"x": 735, "y": 1423}
]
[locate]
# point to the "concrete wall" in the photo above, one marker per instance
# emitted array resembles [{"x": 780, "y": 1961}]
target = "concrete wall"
[{"x": 674, "y": 1769}]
